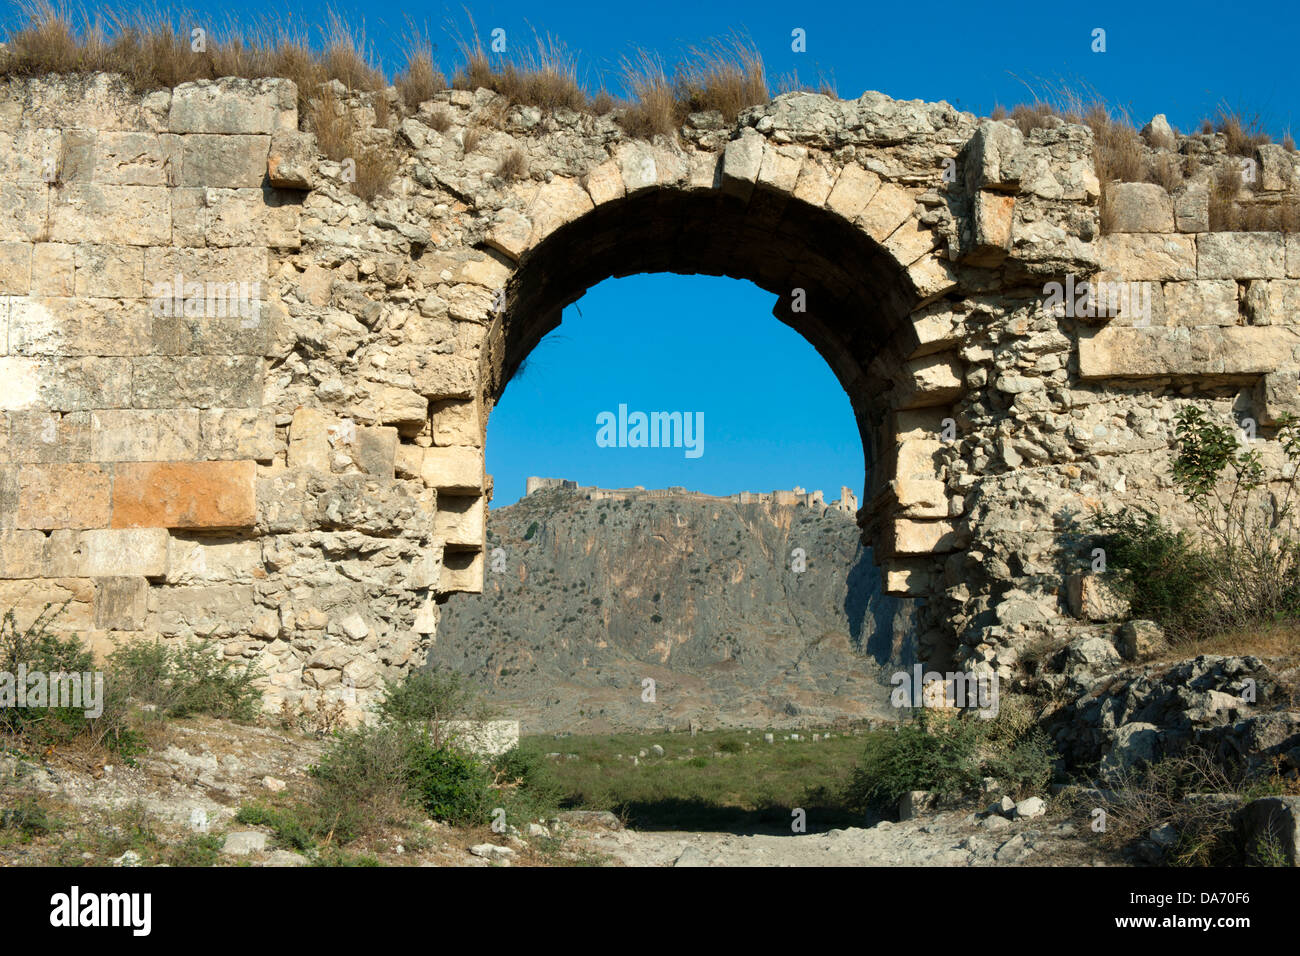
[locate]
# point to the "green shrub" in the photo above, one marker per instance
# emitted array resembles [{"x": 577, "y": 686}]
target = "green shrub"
[
  {"x": 526, "y": 784},
  {"x": 289, "y": 828},
  {"x": 1241, "y": 566},
  {"x": 185, "y": 680},
  {"x": 936, "y": 755},
  {"x": 532, "y": 530},
  {"x": 449, "y": 785}
]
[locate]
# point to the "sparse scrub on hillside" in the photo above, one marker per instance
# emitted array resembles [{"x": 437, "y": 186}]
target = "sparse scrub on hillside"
[
  {"x": 1239, "y": 565},
  {"x": 950, "y": 755}
]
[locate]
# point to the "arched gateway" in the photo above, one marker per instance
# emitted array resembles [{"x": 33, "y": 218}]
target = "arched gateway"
[{"x": 293, "y": 467}]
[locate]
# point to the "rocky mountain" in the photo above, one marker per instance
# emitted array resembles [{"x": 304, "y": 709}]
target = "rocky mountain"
[{"x": 586, "y": 600}]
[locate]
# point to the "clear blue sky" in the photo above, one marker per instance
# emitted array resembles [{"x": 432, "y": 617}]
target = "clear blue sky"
[{"x": 774, "y": 415}]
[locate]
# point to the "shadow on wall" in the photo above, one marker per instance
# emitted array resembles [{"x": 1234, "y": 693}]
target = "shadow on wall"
[{"x": 881, "y": 626}]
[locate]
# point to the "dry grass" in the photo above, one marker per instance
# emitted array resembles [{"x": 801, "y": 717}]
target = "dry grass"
[
  {"x": 513, "y": 165},
  {"x": 420, "y": 80},
  {"x": 1242, "y": 134},
  {"x": 654, "y": 108},
  {"x": 824, "y": 84},
  {"x": 336, "y": 135},
  {"x": 473, "y": 136},
  {"x": 545, "y": 76},
  {"x": 726, "y": 75},
  {"x": 440, "y": 119}
]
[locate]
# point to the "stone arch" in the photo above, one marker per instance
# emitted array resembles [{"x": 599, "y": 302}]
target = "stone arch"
[{"x": 870, "y": 274}]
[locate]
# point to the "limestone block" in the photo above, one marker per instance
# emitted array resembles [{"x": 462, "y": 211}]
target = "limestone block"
[
  {"x": 1275, "y": 170},
  {"x": 15, "y": 270},
  {"x": 453, "y": 469},
  {"x": 471, "y": 303},
  {"x": 217, "y": 494},
  {"x": 920, "y": 424},
  {"x": 1154, "y": 352},
  {"x": 222, "y": 266},
  {"x": 121, "y": 603},
  {"x": 240, "y": 217},
  {"x": 1293, "y": 256},
  {"x": 35, "y": 155},
  {"x": 558, "y": 203},
  {"x": 224, "y": 161},
  {"x": 309, "y": 442},
  {"x": 126, "y": 215},
  {"x": 226, "y": 433},
  {"x": 510, "y": 233},
  {"x": 934, "y": 328},
  {"x": 910, "y": 536},
  {"x": 910, "y": 241},
  {"x": 459, "y": 520},
  {"x": 1139, "y": 207},
  {"x": 1241, "y": 255},
  {"x": 644, "y": 166},
  {"x": 234, "y": 106},
  {"x": 445, "y": 376},
  {"x": 408, "y": 462},
  {"x": 63, "y": 496},
  {"x": 109, "y": 270},
  {"x": 1192, "y": 208},
  {"x": 1139, "y": 256},
  {"x": 213, "y": 560},
  {"x": 604, "y": 183},
  {"x": 212, "y": 610},
  {"x": 487, "y": 270},
  {"x": 76, "y": 161},
  {"x": 1202, "y": 302},
  {"x": 22, "y": 554},
  {"x": 215, "y": 381},
  {"x": 135, "y": 159},
  {"x": 461, "y": 571},
  {"x": 24, "y": 211},
  {"x": 780, "y": 167},
  {"x": 1089, "y": 598},
  {"x": 889, "y": 208},
  {"x": 1272, "y": 302},
  {"x": 854, "y": 188},
  {"x": 456, "y": 423},
  {"x": 703, "y": 171},
  {"x": 991, "y": 217},
  {"x": 78, "y": 326},
  {"x": 53, "y": 269},
  {"x": 742, "y": 158},
  {"x": 932, "y": 275},
  {"x": 375, "y": 450},
  {"x": 815, "y": 182},
  {"x": 402, "y": 408},
  {"x": 907, "y": 578},
  {"x": 290, "y": 159},
  {"x": 48, "y": 437},
  {"x": 1278, "y": 395},
  {"x": 144, "y": 435},
  {"x": 106, "y": 552},
  {"x": 995, "y": 158},
  {"x": 917, "y": 482},
  {"x": 64, "y": 385},
  {"x": 928, "y": 381},
  {"x": 31, "y": 599}
]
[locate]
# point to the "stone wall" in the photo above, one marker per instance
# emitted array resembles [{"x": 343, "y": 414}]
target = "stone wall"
[{"x": 301, "y": 479}]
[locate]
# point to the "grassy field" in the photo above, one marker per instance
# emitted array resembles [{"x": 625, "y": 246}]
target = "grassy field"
[{"x": 716, "y": 780}]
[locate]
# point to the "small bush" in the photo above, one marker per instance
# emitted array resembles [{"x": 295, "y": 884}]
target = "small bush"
[
  {"x": 935, "y": 754},
  {"x": 449, "y": 785},
  {"x": 513, "y": 165},
  {"x": 421, "y": 78},
  {"x": 185, "y": 680}
]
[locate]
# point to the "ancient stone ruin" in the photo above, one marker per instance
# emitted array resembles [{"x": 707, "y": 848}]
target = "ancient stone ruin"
[{"x": 241, "y": 404}]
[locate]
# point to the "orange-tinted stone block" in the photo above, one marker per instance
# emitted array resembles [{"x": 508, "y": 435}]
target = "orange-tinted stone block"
[
  {"x": 200, "y": 494},
  {"x": 63, "y": 496}
]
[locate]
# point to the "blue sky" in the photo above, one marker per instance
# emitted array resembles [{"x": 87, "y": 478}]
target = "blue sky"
[{"x": 774, "y": 415}]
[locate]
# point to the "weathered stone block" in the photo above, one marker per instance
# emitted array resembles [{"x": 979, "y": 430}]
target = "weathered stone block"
[
  {"x": 991, "y": 217},
  {"x": 816, "y": 180},
  {"x": 227, "y": 162},
  {"x": 779, "y": 170},
  {"x": 453, "y": 469},
  {"x": 461, "y": 571},
  {"x": 53, "y": 269},
  {"x": 605, "y": 183},
  {"x": 15, "y": 270},
  {"x": 136, "y": 159},
  {"x": 63, "y": 496},
  {"x": 1144, "y": 256},
  {"x": 64, "y": 385},
  {"x": 138, "y": 552},
  {"x": 121, "y": 603},
  {"x": 109, "y": 270},
  {"x": 126, "y": 215},
  {"x": 909, "y": 578},
  {"x": 213, "y": 560},
  {"x": 1200, "y": 303},
  {"x": 1139, "y": 207},
  {"x": 184, "y": 495},
  {"x": 290, "y": 159},
  {"x": 1154, "y": 352},
  {"x": 742, "y": 158},
  {"x": 917, "y": 483},
  {"x": 456, "y": 423},
  {"x": 32, "y": 599},
  {"x": 510, "y": 233},
  {"x": 223, "y": 266},
  {"x": 909, "y": 536},
  {"x": 309, "y": 442},
  {"x": 1089, "y": 598},
  {"x": 1192, "y": 208},
  {"x": 995, "y": 158},
  {"x": 24, "y": 211},
  {"x": 237, "y": 433},
  {"x": 558, "y": 203},
  {"x": 234, "y": 106},
  {"x": 204, "y": 382},
  {"x": 928, "y": 381},
  {"x": 144, "y": 435},
  {"x": 854, "y": 188},
  {"x": 22, "y": 554},
  {"x": 459, "y": 520},
  {"x": 1272, "y": 301},
  {"x": 78, "y": 326},
  {"x": 1241, "y": 255},
  {"x": 375, "y": 451},
  {"x": 1278, "y": 395},
  {"x": 889, "y": 208},
  {"x": 49, "y": 437},
  {"x": 214, "y": 610},
  {"x": 1275, "y": 169}
]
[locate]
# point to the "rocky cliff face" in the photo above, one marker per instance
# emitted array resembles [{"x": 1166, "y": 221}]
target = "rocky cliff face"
[{"x": 584, "y": 600}]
